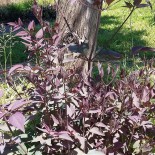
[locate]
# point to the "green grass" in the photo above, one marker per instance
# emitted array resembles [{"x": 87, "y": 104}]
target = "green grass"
[
  {"x": 17, "y": 53},
  {"x": 12, "y": 12},
  {"x": 139, "y": 30},
  {"x": 12, "y": 50}
]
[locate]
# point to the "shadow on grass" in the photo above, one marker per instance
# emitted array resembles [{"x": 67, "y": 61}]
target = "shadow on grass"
[
  {"x": 124, "y": 40},
  {"x": 13, "y": 11},
  {"x": 23, "y": 10}
]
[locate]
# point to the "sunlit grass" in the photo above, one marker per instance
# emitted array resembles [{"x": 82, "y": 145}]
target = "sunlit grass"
[
  {"x": 21, "y": 2},
  {"x": 139, "y": 30}
]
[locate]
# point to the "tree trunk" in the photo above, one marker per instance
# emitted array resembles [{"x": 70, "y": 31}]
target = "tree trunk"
[{"x": 83, "y": 19}]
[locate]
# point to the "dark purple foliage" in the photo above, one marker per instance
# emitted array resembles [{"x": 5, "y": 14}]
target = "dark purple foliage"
[{"x": 77, "y": 112}]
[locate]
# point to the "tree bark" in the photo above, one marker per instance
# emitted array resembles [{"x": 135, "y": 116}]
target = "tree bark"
[{"x": 82, "y": 18}]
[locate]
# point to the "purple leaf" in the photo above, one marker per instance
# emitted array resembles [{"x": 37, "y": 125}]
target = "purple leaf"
[
  {"x": 21, "y": 33},
  {"x": 12, "y": 24},
  {"x": 63, "y": 132},
  {"x": 46, "y": 131},
  {"x": 16, "y": 139},
  {"x": 138, "y": 49},
  {"x": 27, "y": 45},
  {"x": 100, "y": 124},
  {"x": 17, "y": 120},
  {"x": 137, "y": 2},
  {"x": 95, "y": 111},
  {"x": 110, "y": 109},
  {"x": 31, "y": 25},
  {"x": 111, "y": 95},
  {"x": 58, "y": 38},
  {"x": 146, "y": 124},
  {"x": 134, "y": 119},
  {"x": 135, "y": 100},
  {"x": 16, "y": 28},
  {"x": 39, "y": 34},
  {"x": 109, "y": 1},
  {"x": 96, "y": 130},
  {"x": 65, "y": 136},
  {"x": 57, "y": 82},
  {"x": 27, "y": 38},
  {"x": 142, "y": 5},
  {"x": 54, "y": 119},
  {"x": 2, "y": 114},
  {"x": 20, "y": 22},
  {"x": 2, "y": 147},
  {"x": 145, "y": 96},
  {"x": 17, "y": 104},
  {"x": 70, "y": 110},
  {"x": 14, "y": 68},
  {"x": 58, "y": 97}
]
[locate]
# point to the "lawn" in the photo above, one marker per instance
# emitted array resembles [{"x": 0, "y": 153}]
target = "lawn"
[{"x": 139, "y": 30}]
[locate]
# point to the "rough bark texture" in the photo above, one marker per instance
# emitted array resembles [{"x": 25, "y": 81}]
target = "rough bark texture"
[{"x": 81, "y": 19}]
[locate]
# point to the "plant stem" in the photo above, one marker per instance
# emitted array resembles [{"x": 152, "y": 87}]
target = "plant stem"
[
  {"x": 10, "y": 47},
  {"x": 115, "y": 33},
  {"x": 5, "y": 60}
]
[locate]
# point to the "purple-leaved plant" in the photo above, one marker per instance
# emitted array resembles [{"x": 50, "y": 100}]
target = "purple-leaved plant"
[{"x": 76, "y": 113}]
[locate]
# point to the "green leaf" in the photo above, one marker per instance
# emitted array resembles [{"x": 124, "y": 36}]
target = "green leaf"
[{"x": 22, "y": 149}]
